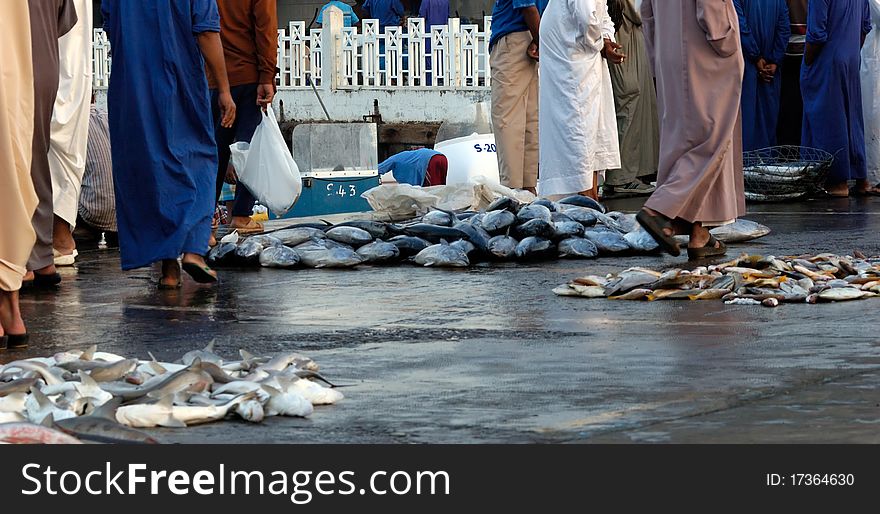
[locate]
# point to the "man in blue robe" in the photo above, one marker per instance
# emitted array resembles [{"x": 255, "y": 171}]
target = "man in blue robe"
[
  {"x": 388, "y": 12},
  {"x": 764, "y": 29},
  {"x": 830, "y": 83},
  {"x": 162, "y": 133}
]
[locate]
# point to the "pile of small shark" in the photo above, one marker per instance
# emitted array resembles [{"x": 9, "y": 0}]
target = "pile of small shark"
[{"x": 92, "y": 396}]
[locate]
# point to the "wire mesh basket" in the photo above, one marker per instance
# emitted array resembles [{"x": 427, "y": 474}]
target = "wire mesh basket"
[{"x": 784, "y": 173}]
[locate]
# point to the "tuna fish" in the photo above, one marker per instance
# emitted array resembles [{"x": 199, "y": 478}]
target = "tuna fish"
[
  {"x": 336, "y": 257},
  {"x": 497, "y": 222},
  {"x": 583, "y": 201},
  {"x": 352, "y": 236},
  {"x": 440, "y": 218},
  {"x": 566, "y": 229},
  {"x": 641, "y": 241},
  {"x": 578, "y": 248},
  {"x": 248, "y": 253},
  {"x": 476, "y": 235},
  {"x": 534, "y": 248},
  {"x": 607, "y": 241},
  {"x": 584, "y": 216},
  {"x": 503, "y": 247},
  {"x": 534, "y": 212},
  {"x": 434, "y": 233},
  {"x": 379, "y": 252},
  {"x": 295, "y": 236},
  {"x": 279, "y": 257},
  {"x": 534, "y": 228},
  {"x": 442, "y": 256},
  {"x": 409, "y": 246},
  {"x": 222, "y": 254}
]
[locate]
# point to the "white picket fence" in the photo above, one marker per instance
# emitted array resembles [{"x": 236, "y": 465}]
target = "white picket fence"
[{"x": 448, "y": 57}]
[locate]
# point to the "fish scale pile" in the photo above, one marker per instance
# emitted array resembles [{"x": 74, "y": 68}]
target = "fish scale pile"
[
  {"x": 576, "y": 227},
  {"x": 102, "y": 397},
  {"x": 746, "y": 280}
]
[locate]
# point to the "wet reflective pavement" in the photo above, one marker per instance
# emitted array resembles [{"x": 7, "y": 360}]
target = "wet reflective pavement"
[{"x": 491, "y": 355}]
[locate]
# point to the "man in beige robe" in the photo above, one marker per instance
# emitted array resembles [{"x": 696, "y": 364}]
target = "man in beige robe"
[
  {"x": 695, "y": 51},
  {"x": 17, "y": 197}
]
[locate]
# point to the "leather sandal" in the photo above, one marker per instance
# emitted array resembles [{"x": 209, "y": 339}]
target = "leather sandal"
[
  {"x": 656, "y": 225},
  {"x": 713, "y": 248},
  {"x": 17, "y": 341}
]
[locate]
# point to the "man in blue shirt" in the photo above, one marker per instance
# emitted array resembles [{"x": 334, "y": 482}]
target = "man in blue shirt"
[
  {"x": 513, "y": 58},
  {"x": 388, "y": 12},
  {"x": 351, "y": 19},
  {"x": 422, "y": 167}
]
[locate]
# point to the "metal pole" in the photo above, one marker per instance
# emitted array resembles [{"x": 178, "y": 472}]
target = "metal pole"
[{"x": 312, "y": 83}]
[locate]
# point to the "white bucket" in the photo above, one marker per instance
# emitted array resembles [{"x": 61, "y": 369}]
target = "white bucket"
[{"x": 470, "y": 157}]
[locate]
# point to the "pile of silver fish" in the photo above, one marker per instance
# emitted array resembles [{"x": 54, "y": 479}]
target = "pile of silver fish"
[
  {"x": 94, "y": 396},
  {"x": 576, "y": 228},
  {"x": 746, "y": 280}
]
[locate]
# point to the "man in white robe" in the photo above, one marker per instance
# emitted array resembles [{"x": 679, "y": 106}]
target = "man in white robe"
[
  {"x": 577, "y": 121},
  {"x": 70, "y": 131}
]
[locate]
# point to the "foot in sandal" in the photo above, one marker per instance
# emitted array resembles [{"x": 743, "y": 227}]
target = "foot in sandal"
[
  {"x": 196, "y": 267},
  {"x": 661, "y": 228}
]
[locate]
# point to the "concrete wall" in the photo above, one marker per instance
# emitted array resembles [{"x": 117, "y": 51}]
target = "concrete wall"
[{"x": 403, "y": 106}]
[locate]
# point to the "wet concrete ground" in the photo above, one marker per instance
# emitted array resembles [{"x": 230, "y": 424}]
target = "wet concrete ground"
[{"x": 491, "y": 355}]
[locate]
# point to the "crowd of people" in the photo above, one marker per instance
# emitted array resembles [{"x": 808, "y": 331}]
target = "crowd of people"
[
  {"x": 665, "y": 90},
  {"x": 631, "y": 90}
]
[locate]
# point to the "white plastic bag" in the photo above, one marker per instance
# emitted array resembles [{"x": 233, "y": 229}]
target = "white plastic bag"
[
  {"x": 399, "y": 201},
  {"x": 266, "y": 167}
]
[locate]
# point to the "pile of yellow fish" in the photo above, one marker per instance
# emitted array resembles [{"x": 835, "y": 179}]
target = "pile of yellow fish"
[{"x": 746, "y": 280}]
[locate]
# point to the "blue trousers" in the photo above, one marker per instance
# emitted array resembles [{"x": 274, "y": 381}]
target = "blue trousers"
[{"x": 249, "y": 115}]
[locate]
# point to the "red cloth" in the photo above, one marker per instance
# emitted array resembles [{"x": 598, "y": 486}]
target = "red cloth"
[{"x": 436, "y": 174}]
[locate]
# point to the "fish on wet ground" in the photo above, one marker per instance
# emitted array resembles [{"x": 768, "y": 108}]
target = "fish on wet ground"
[
  {"x": 745, "y": 280},
  {"x": 379, "y": 252}
]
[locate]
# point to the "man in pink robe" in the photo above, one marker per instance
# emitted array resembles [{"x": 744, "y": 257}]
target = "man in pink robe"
[{"x": 695, "y": 51}]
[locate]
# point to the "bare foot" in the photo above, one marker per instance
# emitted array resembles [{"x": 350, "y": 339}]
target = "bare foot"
[
  {"x": 62, "y": 237},
  {"x": 10, "y": 314},
  {"x": 170, "y": 273},
  {"x": 47, "y": 271},
  {"x": 841, "y": 189},
  {"x": 700, "y": 237}
]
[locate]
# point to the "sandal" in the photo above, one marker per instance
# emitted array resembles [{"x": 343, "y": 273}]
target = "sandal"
[
  {"x": 42, "y": 281},
  {"x": 17, "y": 341},
  {"x": 865, "y": 192},
  {"x": 656, "y": 225},
  {"x": 202, "y": 275},
  {"x": 3, "y": 342},
  {"x": 251, "y": 228},
  {"x": 713, "y": 248}
]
